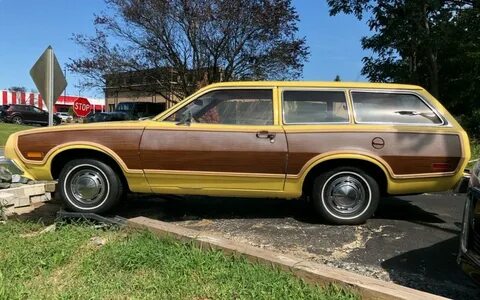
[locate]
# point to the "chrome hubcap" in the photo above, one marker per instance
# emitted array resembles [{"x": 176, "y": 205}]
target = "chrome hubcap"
[
  {"x": 345, "y": 194},
  {"x": 88, "y": 186}
]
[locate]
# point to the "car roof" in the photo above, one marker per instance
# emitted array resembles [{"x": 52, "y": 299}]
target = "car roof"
[{"x": 329, "y": 84}]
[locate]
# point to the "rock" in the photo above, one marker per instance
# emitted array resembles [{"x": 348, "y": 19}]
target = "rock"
[
  {"x": 19, "y": 179},
  {"x": 5, "y": 175},
  {"x": 98, "y": 241},
  {"x": 4, "y": 185}
]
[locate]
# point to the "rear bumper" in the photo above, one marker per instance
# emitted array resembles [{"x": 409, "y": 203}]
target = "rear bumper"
[
  {"x": 7, "y": 118},
  {"x": 469, "y": 253}
]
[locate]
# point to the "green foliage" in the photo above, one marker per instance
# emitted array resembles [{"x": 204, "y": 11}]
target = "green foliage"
[
  {"x": 471, "y": 123},
  {"x": 337, "y": 78},
  {"x": 66, "y": 264},
  {"x": 70, "y": 111},
  {"x": 431, "y": 43},
  {"x": 6, "y": 129},
  {"x": 194, "y": 42}
]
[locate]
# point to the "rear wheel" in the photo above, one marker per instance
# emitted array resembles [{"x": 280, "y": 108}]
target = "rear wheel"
[
  {"x": 88, "y": 185},
  {"x": 17, "y": 120},
  {"x": 345, "y": 195}
]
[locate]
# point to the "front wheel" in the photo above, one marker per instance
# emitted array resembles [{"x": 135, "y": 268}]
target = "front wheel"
[
  {"x": 88, "y": 185},
  {"x": 345, "y": 195}
]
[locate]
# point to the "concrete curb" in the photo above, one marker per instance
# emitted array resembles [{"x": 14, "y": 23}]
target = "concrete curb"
[{"x": 366, "y": 287}]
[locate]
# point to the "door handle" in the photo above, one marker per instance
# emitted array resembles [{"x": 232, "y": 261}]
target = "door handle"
[{"x": 266, "y": 135}]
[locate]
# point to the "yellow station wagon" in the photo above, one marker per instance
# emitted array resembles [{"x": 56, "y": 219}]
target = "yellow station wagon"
[{"x": 343, "y": 145}]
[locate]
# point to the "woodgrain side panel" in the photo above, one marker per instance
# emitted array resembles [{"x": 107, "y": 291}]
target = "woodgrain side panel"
[
  {"x": 124, "y": 142},
  {"x": 406, "y": 153},
  {"x": 210, "y": 151}
]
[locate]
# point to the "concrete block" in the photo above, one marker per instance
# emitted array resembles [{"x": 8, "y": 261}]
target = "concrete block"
[
  {"x": 22, "y": 201},
  {"x": 50, "y": 187},
  {"x": 28, "y": 190},
  {"x": 6, "y": 199},
  {"x": 40, "y": 198}
]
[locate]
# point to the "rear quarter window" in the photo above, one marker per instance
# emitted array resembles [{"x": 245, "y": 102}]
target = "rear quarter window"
[{"x": 395, "y": 108}]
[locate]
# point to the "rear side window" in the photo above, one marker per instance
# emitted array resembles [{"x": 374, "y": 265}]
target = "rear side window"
[
  {"x": 393, "y": 108},
  {"x": 303, "y": 107}
]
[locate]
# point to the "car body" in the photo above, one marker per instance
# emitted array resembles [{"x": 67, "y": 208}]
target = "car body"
[
  {"x": 106, "y": 117},
  {"x": 64, "y": 116},
  {"x": 341, "y": 145},
  {"x": 139, "y": 110},
  {"x": 27, "y": 114},
  {"x": 469, "y": 254},
  {"x": 3, "y": 108}
]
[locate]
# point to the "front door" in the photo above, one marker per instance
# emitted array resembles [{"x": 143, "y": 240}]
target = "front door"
[{"x": 225, "y": 139}]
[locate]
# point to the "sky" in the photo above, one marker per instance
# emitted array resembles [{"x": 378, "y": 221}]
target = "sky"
[{"x": 28, "y": 27}]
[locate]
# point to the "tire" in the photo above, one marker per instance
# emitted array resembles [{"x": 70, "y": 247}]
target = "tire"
[
  {"x": 88, "y": 185},
  {"x": 357, "y": 196},
  {"x": 17, "y": 120},
  {"x": 56, "y": 122}
]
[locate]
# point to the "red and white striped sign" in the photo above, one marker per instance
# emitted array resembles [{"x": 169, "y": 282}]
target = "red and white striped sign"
[{"x": 7, "y": 97}]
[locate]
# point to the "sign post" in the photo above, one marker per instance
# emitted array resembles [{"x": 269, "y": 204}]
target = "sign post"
[{"x": 49, "y": 79}]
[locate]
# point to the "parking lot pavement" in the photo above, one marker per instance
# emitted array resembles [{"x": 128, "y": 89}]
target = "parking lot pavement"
[{"x": 412, "y": 241}]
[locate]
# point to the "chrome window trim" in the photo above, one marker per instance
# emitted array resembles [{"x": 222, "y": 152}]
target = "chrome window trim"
[
  {"x": 404, "y": 92},
  {"x": 315, "y": 89}
]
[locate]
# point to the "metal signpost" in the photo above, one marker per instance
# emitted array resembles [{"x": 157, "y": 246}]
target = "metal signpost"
[{"x": 49, "y": 79}]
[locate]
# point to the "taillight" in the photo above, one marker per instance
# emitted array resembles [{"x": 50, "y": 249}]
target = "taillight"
[{"x": 441, "y": 167}]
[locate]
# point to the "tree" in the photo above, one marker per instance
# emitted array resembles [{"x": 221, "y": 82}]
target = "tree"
[
  {"x": 433, "y": 43},
  {"x": 337, "y": 78},
  {"x": 17, "y": 89},
  {"x": 200, "y": 42}
]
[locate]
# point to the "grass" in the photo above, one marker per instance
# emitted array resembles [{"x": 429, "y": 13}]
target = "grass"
[
  {"x": 66, "y": 264},
  {"x": 6, "y": 129}
]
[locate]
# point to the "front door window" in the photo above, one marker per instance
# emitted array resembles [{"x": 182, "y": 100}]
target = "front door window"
[{"x": 230, "y": 107}]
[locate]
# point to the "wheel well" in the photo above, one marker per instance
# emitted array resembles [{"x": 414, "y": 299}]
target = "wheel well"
[
  {"x": 64, "y": 157},
  {"x": 372, "y": 169}
]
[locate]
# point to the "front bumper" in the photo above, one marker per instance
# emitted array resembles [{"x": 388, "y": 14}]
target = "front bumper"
[{"x": 469, "y": 254}]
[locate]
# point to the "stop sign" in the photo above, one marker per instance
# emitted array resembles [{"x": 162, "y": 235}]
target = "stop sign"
[{"x": 81, "y": 107}]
